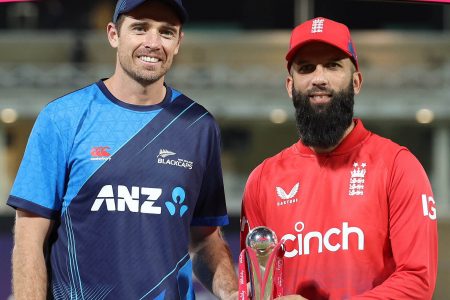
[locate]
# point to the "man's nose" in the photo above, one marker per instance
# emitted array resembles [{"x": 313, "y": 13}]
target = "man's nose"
[
  {"x": 152, "y": 40},
  {"x": 319, "y": 76}
]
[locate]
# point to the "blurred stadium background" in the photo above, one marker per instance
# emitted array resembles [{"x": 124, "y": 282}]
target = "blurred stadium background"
[{"x": 232, "y": 62}]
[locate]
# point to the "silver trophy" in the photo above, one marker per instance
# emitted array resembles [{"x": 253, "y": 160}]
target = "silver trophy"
[{"x": 262, "y": 241}]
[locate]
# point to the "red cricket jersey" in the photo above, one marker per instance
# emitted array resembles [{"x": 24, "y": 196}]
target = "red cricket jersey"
[{"x": 358, "y": 223}]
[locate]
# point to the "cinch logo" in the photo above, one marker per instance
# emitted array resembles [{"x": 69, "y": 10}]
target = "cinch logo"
[
  {"x": 341, "y": 239},
  {"x": 181, "y": 163},
  {"x": 287, "y": 198},
  {"x": 100, "y": 153},
  {"x": 127, "y": 200},
  {"x": 429, "y": 207}
]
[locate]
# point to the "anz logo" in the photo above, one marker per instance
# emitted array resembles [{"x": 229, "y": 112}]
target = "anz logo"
[
  {"x": 123, "y": 199},
  {"x": 178, "y": 196}
]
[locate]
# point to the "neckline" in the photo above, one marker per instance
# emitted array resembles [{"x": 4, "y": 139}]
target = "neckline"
[{"x": 167, "y": 99}]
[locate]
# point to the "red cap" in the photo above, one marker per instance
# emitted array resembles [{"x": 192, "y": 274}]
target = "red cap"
[{"x": 322, "y": 30}]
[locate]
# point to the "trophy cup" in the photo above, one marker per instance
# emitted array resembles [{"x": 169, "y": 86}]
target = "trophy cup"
[{"x": 262, "y": 262}]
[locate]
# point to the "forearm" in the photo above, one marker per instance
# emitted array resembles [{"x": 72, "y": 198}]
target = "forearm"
[
  {"x": 28, "y": 260},
  {"x": 213, "y": 266},
  {"x": 401, "y": 285},
  {"x": 29, "y": 275}
]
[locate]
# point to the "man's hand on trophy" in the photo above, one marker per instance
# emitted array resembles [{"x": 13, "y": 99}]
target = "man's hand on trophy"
[{"x": 237, "y": 295}]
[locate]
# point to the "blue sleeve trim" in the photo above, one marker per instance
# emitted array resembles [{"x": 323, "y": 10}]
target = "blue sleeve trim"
[
  {"x": 16, "y": 202},
  {"x": 210, "y": 221}
]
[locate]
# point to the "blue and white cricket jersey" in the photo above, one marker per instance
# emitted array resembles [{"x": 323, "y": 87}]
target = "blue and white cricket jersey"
[{"x": 124, "y": 184}]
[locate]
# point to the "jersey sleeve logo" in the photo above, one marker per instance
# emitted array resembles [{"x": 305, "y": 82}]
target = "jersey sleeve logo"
[
  {"x": 429, "y": 207},
  {"x": 285, "y": 197}
]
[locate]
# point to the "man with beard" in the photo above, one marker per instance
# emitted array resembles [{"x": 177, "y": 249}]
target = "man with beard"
[
  {"x": 355, "y": 211},
  {"x": 120, "y": 189}
]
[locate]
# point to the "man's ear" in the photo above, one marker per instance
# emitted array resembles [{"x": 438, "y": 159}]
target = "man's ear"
[
  {"x": 289, "y": 85},
  {"x": 113, "y": 35},
  {"x": 357, "y": 82},
  {"x": 179, "y": 42}
]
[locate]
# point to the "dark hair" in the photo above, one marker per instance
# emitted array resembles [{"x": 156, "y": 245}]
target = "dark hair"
[{"x": 119, "y": 23}]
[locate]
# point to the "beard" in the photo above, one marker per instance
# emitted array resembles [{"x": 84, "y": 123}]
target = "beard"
[
  {"x": 323, "y": 125},
  {"x": 144, "y": 77}
]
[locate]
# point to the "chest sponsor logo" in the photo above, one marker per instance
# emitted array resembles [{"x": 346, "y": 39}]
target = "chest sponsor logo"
[
  {"x": 178, "y": 197},
  {"x": 100, "y": 153},
  {"x": 166, "y": 157},
  {"x": 123, "y": 199},
  {"x": 357, "y": 179},
  {"x": 287, "y": 198},
  {"x": 429, "y": 207},
  {"x": 334, "y": 239}
]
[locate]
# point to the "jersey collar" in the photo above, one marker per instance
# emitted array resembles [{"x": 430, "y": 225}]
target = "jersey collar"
[{"x": 167, "y": 99}]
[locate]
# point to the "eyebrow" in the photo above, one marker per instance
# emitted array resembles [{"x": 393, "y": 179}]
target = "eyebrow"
[
  {"x": 336, "y": 58},
  {"x": 332, "y": 58},
  {"x": 165, "y": 25},
  {"x": 137, "y": 23},
  {"x": 169, "y": 26}
]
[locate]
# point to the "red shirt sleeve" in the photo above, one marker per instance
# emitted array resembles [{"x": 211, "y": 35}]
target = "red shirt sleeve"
[
  {"x": 413, "y": 233},
  {"x": 250, "y": 212}
]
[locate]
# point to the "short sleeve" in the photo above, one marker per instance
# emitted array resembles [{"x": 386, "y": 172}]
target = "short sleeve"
[
  {"x": 210, "y": 209},
  {"x": 40, "y": 180}
]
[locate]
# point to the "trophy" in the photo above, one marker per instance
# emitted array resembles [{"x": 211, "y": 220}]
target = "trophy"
[{"x": 262, "y": 262}]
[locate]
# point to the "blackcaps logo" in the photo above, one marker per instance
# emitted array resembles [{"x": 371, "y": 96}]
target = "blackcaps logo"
[
  {"x": 165, "y": 153},
  {"x": 176, "y": 162}
]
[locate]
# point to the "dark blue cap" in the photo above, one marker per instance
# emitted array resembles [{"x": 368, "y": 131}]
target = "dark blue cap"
[{"x": 124, "y": 6}]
